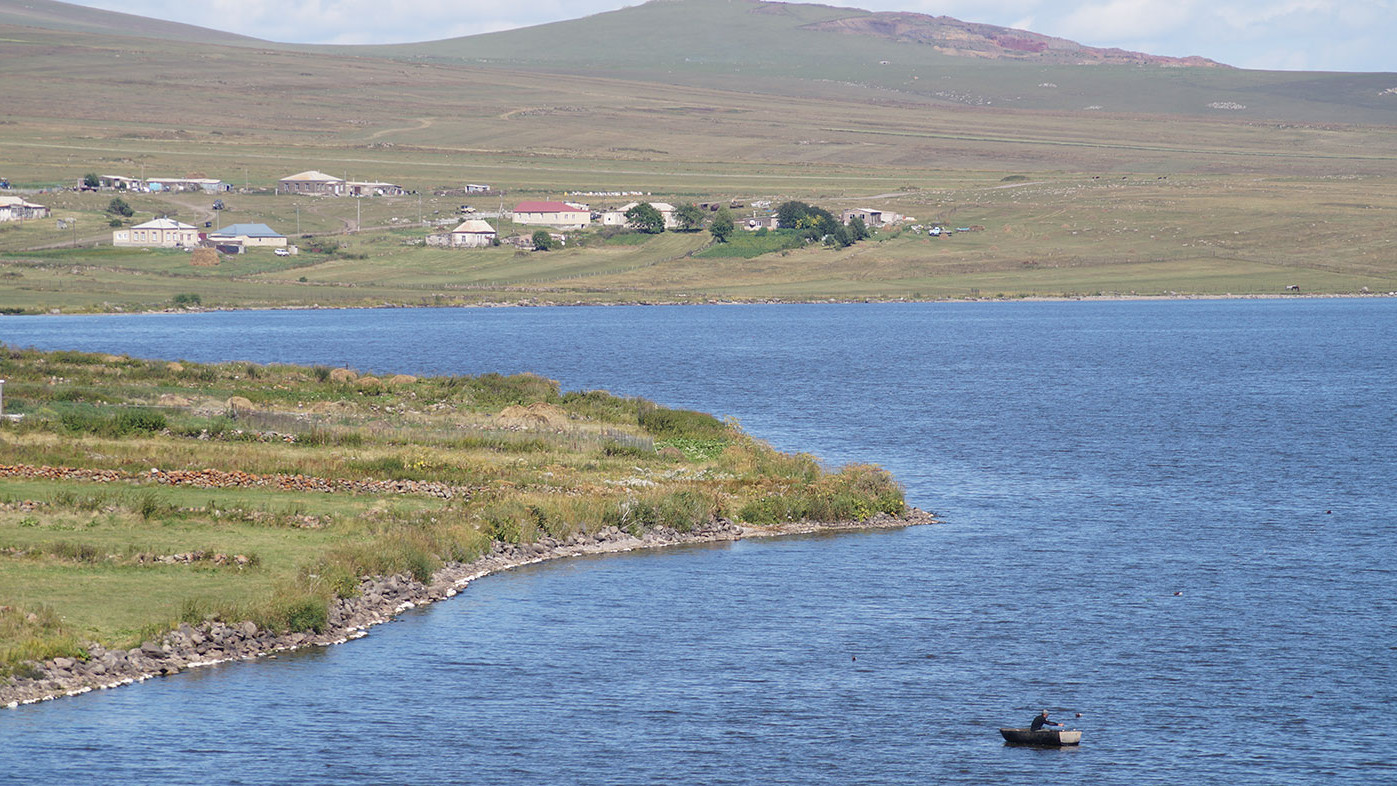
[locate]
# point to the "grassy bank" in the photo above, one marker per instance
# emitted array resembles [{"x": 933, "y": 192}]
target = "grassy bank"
[{"x": 136, "y": 494}]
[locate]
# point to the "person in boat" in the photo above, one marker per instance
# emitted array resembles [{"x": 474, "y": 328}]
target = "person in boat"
[{"x": 1039, "y": 721}]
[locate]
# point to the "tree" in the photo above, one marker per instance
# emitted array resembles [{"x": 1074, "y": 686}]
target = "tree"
[
  {"x": 788, "y": 214},
  {"x": 722, "y": 226},
  {"x": 646, "y": 218},
  {"x": 838, "y": 236},
  {"x": 118, "y": 207},
  {"x": 814, "y": 223},
  {"x": 90, "y": 180},
  {"x": 690, "y": 217},
  {"x": 858, "y": 230},
  {"x": 542, "y": 240}
]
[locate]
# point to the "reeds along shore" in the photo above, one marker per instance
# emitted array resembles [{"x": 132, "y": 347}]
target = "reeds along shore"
[
  {"x": 232, "y": 509},
  {"x": 379, "y": 599}
]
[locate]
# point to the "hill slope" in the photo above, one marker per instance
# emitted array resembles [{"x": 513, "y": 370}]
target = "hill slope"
[
  {"x": 817, "y": 51},
  {"x": 53, "y": 15},
  {"x": 811, "y": 51}
]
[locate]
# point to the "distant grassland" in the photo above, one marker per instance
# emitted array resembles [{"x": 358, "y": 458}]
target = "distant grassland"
[
  {"x": 1052, "y": 235},
  {"x": 82, "y": 560},
  {"x": 1178, "y": 200}
]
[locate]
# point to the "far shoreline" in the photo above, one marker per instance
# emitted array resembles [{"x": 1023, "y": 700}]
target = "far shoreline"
[{"x": 532, "y": 303}]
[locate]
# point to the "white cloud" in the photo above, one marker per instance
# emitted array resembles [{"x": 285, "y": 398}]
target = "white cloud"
[
  {"x": 1125, "y": 20},
  {"x": 359, "y": 21}
]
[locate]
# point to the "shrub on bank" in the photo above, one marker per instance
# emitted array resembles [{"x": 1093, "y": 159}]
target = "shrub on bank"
[
  {"x": 33, "y": 635},
  {"x": 856, "y": 493},
  {"x": 123, "y": 423},
  {"x": 673, "y": 423},
  {"x": 684, "y": 510}
]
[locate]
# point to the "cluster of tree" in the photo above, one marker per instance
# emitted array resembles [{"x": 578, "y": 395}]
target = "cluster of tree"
[
  {"x": 646, "y": 218},
  {"x": 118, "y": 207},
  {"x": 688, "y": 217},
  {"x": 816, "y": 223}
]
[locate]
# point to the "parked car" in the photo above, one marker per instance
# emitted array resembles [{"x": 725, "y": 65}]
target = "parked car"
[
  {"x": 281, "y": 252},
  {"x": 218, "y": 204}
]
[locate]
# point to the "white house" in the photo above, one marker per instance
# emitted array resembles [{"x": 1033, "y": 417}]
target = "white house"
[
  {"x": 617, "y": 217},
  {"x": 563, "y": 215},
  {"x": 248, "y": 236},
  {"x": 311, "y": 182},
  {"x": 473, "y": 233},
  {"x": 13, "y": 208},
  {"x": 871, "y": 217},
  {"x": 120, "y": 183},
  {"x": 372, "y": 188},
  {"x": 159, "y": 233},
  {"x": 208, "y": 185}
]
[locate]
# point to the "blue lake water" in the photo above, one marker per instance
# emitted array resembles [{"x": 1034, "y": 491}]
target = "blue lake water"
[{"x": 1089, "y": 460}]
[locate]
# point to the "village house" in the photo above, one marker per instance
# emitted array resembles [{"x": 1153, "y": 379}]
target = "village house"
[
  {"x": 247, "y": 236},
  {"x": 762, "y": 222},
  {"x": 120, "y": 183},
  {"x": 477, "y": 188},
  {"x": 208, "y": 185},
  {"x": 159, "y": 233},
  {"x": 617, "y": 217},
  {"x": 13, "y": 208},
  {"x": 361, "y": 188},
  {"x": 871, "y": 218},
  {"x": 562, "y": 215},
  {"x": 472, "y": 233},
  {"x": 311, "y": 182}
]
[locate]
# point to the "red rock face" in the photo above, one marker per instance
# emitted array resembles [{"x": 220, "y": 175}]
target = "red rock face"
[
  {"x": 952, "y": 36},
  {"x": 1021, "y": 44}
]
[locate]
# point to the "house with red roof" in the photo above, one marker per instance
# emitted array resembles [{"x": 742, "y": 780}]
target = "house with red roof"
[{"x": 562, "y": 215}]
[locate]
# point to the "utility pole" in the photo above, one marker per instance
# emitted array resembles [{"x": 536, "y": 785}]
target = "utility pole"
[
  {"x": 2, "y": 398},
  {"x": 74, "y": 224},
  {"x": 298, "y": 219},
  {"x": 358, "y": 213}
]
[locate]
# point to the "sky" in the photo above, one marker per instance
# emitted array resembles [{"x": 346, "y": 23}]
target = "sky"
[{"x": 1296, "y": 35}]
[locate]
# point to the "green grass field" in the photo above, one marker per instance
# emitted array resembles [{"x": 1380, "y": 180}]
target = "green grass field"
[{"x": 93, "y": 559}]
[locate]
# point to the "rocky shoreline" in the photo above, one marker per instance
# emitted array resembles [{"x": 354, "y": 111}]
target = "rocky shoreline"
[{"x": 380, "y": 599}]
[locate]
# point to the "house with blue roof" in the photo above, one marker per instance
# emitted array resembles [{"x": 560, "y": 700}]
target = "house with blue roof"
[{"x": 247, "y": 236}]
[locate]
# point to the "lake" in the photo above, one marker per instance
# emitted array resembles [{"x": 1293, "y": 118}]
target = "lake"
[{"x": 1172, "y": 517}]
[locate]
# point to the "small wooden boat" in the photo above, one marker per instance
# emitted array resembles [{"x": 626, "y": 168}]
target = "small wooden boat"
[{"x": 1050, "y": 737}]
